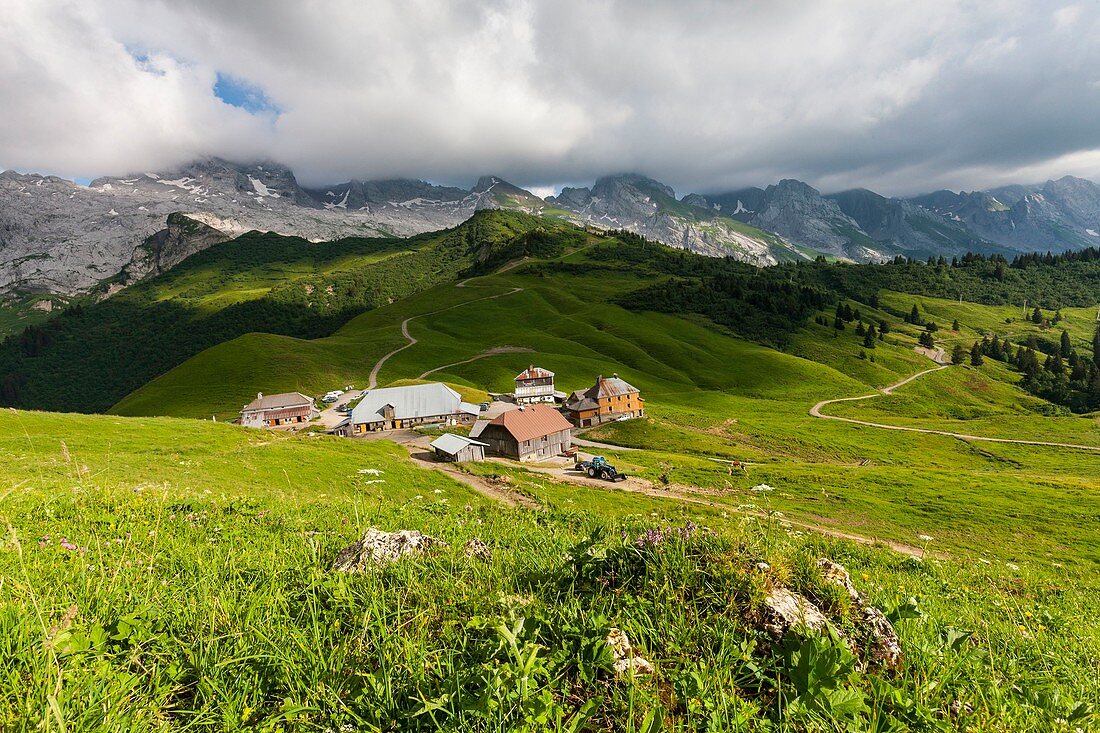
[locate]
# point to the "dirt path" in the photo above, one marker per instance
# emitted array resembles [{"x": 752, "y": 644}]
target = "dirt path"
[
  {"x": 634, "y": 485},
  {"x": 488, "y": 352},
  {"x": 815, "y": 411},
  {"x": 495, "y": 491},
  {"x": 412, "y": 340}
]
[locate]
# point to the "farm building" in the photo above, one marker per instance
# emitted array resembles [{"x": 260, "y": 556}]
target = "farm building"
[
  {"x": 275, "y": 410},
  {"x": 532, "y": 432},
  {"x": 405, "y": 407},
  {"x": 458, "y": 448},
  {"x": 534, "y": 384},
  {"x": 606, "y": 400}
]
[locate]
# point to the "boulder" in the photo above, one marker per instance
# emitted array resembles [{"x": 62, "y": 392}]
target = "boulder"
[
  {"x": 378, "y": 548},
  {"x": 785, "y": 610},
  {"x": 627, "y": 660},
  {"x": 882, "y": 643}
]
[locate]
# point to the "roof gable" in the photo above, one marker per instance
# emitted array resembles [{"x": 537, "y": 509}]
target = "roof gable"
[
  {"x": 532, "y": 422},
  {"x": 412, "y": 401},
  {"x": 279, "y": 401}
]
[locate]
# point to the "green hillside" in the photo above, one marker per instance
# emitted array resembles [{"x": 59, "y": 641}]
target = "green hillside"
[
  {"x": 88, "y": 357},
  {"x": 168, "y": 574},
  {"x": 711, "y": 395}
]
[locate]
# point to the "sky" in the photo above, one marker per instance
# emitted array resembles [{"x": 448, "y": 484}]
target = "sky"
[{"x": 705, "y": 95}]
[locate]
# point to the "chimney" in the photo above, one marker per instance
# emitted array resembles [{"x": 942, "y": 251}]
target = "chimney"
[{"x": 259, "y": 395}]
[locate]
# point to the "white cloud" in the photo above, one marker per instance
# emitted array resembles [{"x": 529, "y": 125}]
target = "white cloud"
[{"x": 891, "y": 95}]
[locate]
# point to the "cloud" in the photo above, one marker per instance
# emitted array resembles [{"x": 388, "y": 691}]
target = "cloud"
[{"x": 900, "y": 97}]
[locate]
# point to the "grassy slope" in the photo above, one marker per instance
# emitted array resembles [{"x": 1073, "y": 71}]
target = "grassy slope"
[
  {"x": 711, "y": 395},
  {"x": 197, "y": 595},
  {"x": 88, "y": 359}
]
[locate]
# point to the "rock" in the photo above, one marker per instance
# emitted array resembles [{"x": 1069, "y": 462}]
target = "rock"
[
  {"x": 627, "y": 660},
  {"x": 785, "y": 610},
  {"x": 378, "y": 548},
  {"x": 881, "y": 640},
  {"x": 476, "y": 548}
]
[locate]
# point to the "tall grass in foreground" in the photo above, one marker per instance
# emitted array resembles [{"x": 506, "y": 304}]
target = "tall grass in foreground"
[{"x": 123, "y": 610}]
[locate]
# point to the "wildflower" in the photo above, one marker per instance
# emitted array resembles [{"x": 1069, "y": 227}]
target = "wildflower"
[
  {"x": 438, "y": 491},
  {"x": 68, "y": 545},
  {"x": 1012, "y": 566},
  {"x": 983, "y": 561},
  {"x": 925, "y": 538},
  {"x": 418, "y": 496}
]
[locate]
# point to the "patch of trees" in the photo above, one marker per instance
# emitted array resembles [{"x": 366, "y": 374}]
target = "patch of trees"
[{"x": 1058, "y": 373}]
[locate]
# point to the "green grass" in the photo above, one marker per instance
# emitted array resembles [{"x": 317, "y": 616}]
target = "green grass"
[
  {"x": 16, "y": 313},
  {"x": 711, "y": 395},
  {"x": 198, "y": 596}
]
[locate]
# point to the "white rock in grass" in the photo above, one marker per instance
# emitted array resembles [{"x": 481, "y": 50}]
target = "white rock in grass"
[
  {"x": 883, "y": 645},
  {"x": 627, "y": 660},
  {"x": 785, "y": 610},
  {"x": 377, "y": 548},
  {"x": 475, "y": 547}
]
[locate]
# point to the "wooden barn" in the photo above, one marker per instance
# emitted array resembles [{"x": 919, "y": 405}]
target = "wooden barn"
[
  {"x": 271, "y": 411},
  {"x": 534, "y": 432},
  {"x": 606, "y": 400},
  {"x": 458, "y": 448}
]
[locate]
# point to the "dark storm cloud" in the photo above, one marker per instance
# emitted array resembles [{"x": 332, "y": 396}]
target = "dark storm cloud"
[{"x": 900, "y": 97}]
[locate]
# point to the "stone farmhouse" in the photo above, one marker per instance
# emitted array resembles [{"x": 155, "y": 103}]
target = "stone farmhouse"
[{"x": 271, "y": 411}]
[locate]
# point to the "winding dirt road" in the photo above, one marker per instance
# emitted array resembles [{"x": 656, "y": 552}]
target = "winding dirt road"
[
  {"x": 373, "y": 381},
  {"x": 815, "y": 411}
]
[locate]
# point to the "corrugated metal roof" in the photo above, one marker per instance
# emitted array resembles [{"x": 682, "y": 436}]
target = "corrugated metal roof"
[
  {"x": 606, "y": 387},
  {"x": 413, "y": 401},
  {"x": 532, "y": 422},
  {"x": 468, "y": 408},
  {"x": 451, "y": 444},
  {"x": 478, "y": 428},
  {"x": 278, "y": 401},
  {"x": 534, "y": 372}
]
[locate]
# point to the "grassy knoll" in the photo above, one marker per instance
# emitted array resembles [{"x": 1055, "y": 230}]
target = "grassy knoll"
[{"x": 165, "y": 574}]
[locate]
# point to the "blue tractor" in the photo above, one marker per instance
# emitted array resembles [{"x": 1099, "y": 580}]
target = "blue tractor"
[{"x": 598, "y": 467}]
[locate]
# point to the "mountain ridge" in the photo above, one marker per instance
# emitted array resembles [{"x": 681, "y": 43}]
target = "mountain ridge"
[{"x": 57, "y": 237}]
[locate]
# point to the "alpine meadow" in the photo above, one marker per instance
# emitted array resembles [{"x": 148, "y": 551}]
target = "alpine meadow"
[{"x": 671, "y": 424}]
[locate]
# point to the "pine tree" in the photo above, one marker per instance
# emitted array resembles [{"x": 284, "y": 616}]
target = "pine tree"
[
  {"x": 1066, "y": 346},
  {"x": 914, "y": 316},
  {"x": 860, "y": 330},
  {"x": 883, "y": 326},
  {"x": 838, "y": 323},
  {"x": 955, "y": 325},
  {"x": 1036, "y": 315},
  {"x": 999, "y": 272},
  {"x": 958, "y": 354},
  {"x": 926, "y": 340},
  {"x": 869, "y": 337},
  {"x": 932, "y": 327},
  {"x": 976, "y": 358},
  {"x": 1096, "y": 346}
]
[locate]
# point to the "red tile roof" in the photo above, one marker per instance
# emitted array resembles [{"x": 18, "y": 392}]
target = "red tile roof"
[{"x": 532, "y": 422}]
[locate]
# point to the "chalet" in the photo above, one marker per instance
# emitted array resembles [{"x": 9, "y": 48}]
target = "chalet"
[
  {"x": 276, "y": 410},
  {"x": 531, "y": 432},
  {"x": 458, "y": 448},
  {"x": 606, "y": 400},
  {"x": 405, "y": 407},
  {"x": 534, "y": 385}
]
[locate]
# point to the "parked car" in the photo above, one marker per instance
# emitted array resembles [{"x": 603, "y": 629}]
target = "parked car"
[
  {"x": 332, "y": 396},
  {"x": 483, "y": 406}
]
